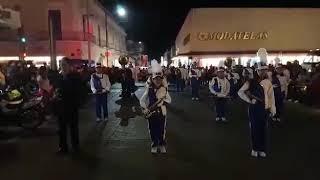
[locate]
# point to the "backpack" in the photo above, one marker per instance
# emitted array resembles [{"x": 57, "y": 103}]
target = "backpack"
[{"x": 97, "y": 82}]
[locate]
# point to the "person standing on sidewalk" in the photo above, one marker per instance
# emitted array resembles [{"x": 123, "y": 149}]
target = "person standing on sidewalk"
[
  {"x": 220, "y": 87},
  {"x": 68, "y": 94},
  {"x": 154, "y": 101},
  {"x": 100, "y": 86}
]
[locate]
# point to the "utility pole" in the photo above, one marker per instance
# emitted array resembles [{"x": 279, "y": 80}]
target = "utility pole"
[
  {"x": 88, "y": 32},
  {"x": 52, "y": 45},
  {"x": 107, "y": 39}
]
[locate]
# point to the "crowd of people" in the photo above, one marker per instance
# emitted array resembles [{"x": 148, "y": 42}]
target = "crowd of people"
[
  {"x": 264, "y": 87},
  {"x": 301, "y": 84}
]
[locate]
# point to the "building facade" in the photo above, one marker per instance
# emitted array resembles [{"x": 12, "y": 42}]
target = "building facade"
[
  {"x": 209, "y": 35},
  {"x": 69, "y": 18}
]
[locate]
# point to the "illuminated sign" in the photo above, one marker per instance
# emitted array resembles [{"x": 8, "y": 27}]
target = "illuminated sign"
[{"x": 207, "y": 36}]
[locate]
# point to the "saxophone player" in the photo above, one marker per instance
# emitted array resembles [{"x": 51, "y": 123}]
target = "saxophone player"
[{"x": 154, "y": 102}]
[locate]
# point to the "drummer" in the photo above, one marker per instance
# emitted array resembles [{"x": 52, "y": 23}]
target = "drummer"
[{"x": 220, "y": 88}]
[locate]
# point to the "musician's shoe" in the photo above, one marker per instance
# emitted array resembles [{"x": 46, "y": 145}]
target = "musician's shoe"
[
  {"x": 163, "y": 149},
  {"x": 223, "y": 119},
  {"x": 154, "y": 150},
  {"x": 197, "y": 99},
  {"x": 105, "y": 119},
  {"x": 254, "y": 153},
  {"x": 262, "y": 154},
  {"x": 98, "y": 120},
  {"x": 274, "y": 119},
  {"x": 278, "y": 119},
  {"x": 193, "y": 99},
  {"x": 217, "y": 119}
]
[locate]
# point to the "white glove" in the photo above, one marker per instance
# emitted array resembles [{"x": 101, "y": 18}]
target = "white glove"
[
  {"x": 145, "y": 111},
  {"x": 253, "y": 101},
  {"x": 221, "y": 95}
]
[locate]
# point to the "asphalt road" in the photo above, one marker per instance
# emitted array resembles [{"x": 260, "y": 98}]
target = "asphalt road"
[{"x": 198, "y": 147}]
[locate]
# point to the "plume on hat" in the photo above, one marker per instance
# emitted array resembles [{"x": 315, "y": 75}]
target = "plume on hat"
[{"x": 156, "y": 68}]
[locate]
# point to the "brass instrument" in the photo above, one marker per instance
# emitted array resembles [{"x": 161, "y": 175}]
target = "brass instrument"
[
  {"x": 123, "y": 60},
  {"x": 154, "y": 107}
]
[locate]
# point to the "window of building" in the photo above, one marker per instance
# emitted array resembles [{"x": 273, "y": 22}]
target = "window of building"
[{"x": 55, "y": 16}]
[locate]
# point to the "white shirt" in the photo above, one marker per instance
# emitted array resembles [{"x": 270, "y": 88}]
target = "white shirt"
[
  {"x": 105, "y": 83},
  {"x": 286, "y": 73},
  {"x": 197, "y": 75},
  {"x": 283, "y": 82},
  {"x": 184, "y": 73},
  {"x": 161, "y": 93},
  {"x": 223, "y": 83},
  {"x": 268, "y": 94}
]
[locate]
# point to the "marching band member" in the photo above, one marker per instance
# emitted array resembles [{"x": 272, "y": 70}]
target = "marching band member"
[
  {"x": 100, "y": 86},
  {"x": 233, "y": 78},
  {"x": 195, "y": 75},
  {"x": 277, "y": 95},
  {"x": 280, "y": 96},
  {"x": 154, "y": 102},
  {"x": 220, "y": 87},
  {"x": 258, "y": 92}
]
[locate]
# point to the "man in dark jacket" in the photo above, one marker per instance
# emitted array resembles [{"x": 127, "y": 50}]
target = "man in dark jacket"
[{"x": 69, "y": 87}]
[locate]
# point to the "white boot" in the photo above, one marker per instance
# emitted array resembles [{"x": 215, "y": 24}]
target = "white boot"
[
  {"x": 154, "y": 150},
  {"x": 217, "y": 119},
  {"x": 262, "y": 154},
  {"x": 254, "y": 153},
  {"x": 163, "y": 149},
  {"x": 224, "y": 119}
]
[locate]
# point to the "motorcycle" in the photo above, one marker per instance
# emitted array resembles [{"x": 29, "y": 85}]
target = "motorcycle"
[{"x": 16, "y": 110}]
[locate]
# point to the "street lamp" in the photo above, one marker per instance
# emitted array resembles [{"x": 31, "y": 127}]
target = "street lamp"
[{"x": 121, "y": 11}]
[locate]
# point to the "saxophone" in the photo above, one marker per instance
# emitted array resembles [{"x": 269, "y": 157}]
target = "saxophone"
[{"x": 154, "y": 107}]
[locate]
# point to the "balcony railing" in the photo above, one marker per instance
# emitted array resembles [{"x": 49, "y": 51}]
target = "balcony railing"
[{"x": 44, "y": 36}]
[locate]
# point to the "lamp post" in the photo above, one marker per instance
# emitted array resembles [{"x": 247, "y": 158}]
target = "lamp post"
[
  {"x": 121, "y": 12},
  {"x": 88, "y": 31}
]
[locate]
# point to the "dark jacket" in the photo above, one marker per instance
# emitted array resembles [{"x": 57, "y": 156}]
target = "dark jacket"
[{"x": 69, "y": 89}]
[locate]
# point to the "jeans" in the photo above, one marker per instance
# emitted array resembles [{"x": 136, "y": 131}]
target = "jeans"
[
  {"x": 195, "y": 87},
  {"x": 258, "y": 118},
  {"x": 69, "y": 120},
  {"x": 101, "y": 104},
  {"x": 157, "y": 129},
  {"x": 220, "y": 107},
  {"x": 180, "y": 85}
]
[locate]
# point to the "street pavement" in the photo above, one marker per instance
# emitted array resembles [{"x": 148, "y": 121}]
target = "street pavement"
[{"x": 198, "y": 147}]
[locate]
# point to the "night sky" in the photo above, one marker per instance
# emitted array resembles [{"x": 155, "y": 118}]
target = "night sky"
[{"x": 157, "y": 22}]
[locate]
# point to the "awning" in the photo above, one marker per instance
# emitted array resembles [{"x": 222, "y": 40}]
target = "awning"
[{"x": 9, "y": 18}]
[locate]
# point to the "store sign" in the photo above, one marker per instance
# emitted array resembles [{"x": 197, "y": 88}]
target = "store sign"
[
  {"x": 5, "y": 14},
  {"x": 207, "y": 36},
  {"x": 9, "y": 18}
]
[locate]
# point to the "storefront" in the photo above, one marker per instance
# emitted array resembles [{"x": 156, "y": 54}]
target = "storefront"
[{"x": 210, "y": 35}]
